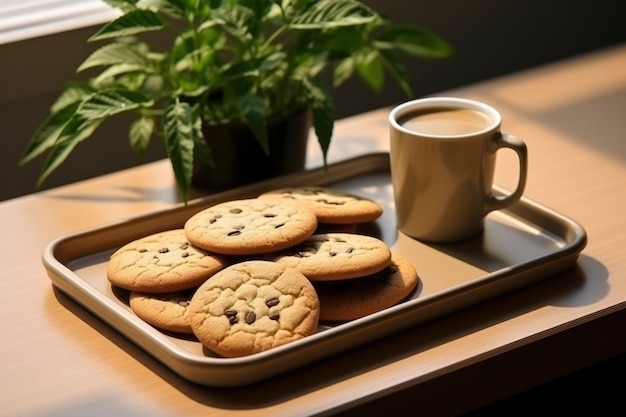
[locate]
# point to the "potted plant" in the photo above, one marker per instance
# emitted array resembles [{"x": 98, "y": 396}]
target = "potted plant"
[{"x": 230, "y": 62}]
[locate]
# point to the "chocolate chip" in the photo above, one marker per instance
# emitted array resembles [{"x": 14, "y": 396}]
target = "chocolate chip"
[
  {"x": 143, "y": 250},
  {"x": 350, "y": 250},
  {"x": 164, "y": 250},
  {"x": 272, "y": 302},
  {"x": 278, "y": 226},
  {"x": 215, "y": 218},
  {"x": 332, "y": 254},
  {"x": 269, "y": 215},
  {"x": 184, "y": 254},
  {"x": 232, "y": 316},
  {"x": 184, "y": 246},
  {"x": 274, "y": 316},
  {"x": 250, "y": 317},
  {"x": 236, "y": 230},
  {"x": 235, "y": 211}
]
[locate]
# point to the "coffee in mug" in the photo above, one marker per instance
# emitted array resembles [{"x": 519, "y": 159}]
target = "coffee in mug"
[
  {"x": 443, "y": 156},
  {"x": 445, "y": 121}
]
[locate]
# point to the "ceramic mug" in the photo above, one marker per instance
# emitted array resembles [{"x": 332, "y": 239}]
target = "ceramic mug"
[{"x": 443, "y": 156}]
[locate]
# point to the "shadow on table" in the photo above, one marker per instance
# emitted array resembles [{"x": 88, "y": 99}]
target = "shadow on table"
[{"x": 376, "y": 354}]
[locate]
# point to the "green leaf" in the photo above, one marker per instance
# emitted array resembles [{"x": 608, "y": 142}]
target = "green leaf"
[
  {"x": 175, "y": 8},
  {"x": 397, "y": 70},
  {"x": 192, "y": 58},
  {"x": 237, "y": 20},
  {"x": 124, "y": 5},
  {"x": 272, "y": 61},
  {"x": 414, "y": 41},
  {"x": 261, "y": 9},
  {"x": 62, "y": 148},
  {"x": 178, "y": 9},
  {"x": 119, "y": 69},
  {"x": 321, "y": 104},
  {"x": 202, "y": 151},
  {"x": 107, "y": 103},
  {"x": 179, "y": 131},
  {"x": 252, "y": 109},
  {"x": 343, "y": 71},
  {"x": 130, "y": 23},
  {"x": 371, "y": 70},
  {"x": 140, "y": 132},
  {"x": 71, "y": 94},
  {"x": 114, "y": 54},
  {"x": 342, "y": 41},
  {"x": 236, "y": 73},
  {"x": 46, "y": 135},
  {"x": 326, "y": 14}
]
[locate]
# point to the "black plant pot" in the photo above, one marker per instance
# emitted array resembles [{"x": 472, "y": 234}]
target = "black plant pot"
[{"x": 239, "y": 159}]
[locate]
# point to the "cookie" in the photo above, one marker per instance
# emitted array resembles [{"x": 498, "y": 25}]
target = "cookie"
[
  {"x": 354, "y": 298},
  {"x": 332, "y": 256},
  {"x": 250, "y": 226},
  {"x": 166, "y": 311},
  {"x": 162, "y": 262},
  {"x": 253, "y": 306},
  {"x": 329, "y": 205}
]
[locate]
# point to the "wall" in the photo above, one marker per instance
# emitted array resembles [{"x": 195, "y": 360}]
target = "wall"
[
  {"x": 493, "y": 38},
  {"x": 490, "y": 37}
]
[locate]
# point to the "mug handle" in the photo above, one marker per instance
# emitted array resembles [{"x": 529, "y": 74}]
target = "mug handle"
[{"x": 516, "y": 144}]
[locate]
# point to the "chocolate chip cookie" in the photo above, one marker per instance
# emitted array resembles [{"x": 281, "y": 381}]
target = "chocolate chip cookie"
[
  {"x": 253, "y": 306},
  {"x": 167, "y": 311},
  {"x": 162, "y": 262},
  {"x": 330, "y": 205},
  {"x": 354, "y": 298},
  {"x": 332, "y": 256},
  {"x": 250, "y": 226}
]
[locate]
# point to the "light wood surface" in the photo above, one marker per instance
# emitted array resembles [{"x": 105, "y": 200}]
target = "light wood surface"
[{"x": 59, "y": 360}]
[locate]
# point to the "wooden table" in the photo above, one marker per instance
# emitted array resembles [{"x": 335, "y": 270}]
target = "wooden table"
[{"x": 58, "y": 359}]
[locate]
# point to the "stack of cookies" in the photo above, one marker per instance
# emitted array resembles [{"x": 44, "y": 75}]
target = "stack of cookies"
[{"x": 248, "y": 275}]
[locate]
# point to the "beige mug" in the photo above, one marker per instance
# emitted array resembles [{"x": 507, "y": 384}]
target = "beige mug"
[{"x": 443, "y": 157}]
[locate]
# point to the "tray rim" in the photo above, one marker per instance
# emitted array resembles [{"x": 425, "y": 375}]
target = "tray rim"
[{"x": 228, "y": 372}]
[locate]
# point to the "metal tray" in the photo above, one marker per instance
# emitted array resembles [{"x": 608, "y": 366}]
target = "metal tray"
[{"x": 520, "y": 245}]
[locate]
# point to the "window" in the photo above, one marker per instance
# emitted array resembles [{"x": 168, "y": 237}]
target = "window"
[{"x": 24, "y": 19}]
